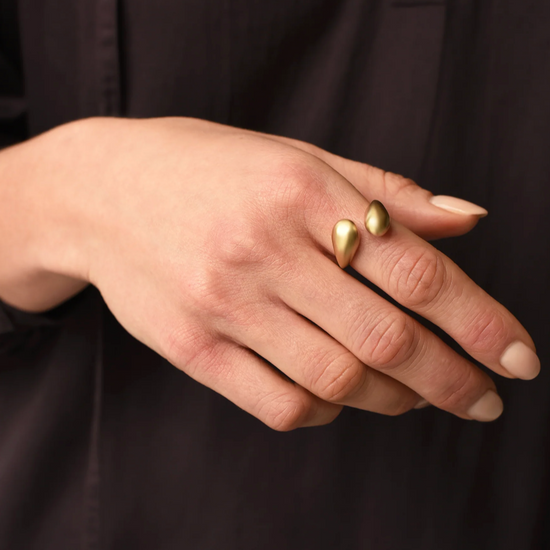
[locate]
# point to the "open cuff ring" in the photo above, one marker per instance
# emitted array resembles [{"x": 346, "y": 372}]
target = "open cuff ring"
[{"x": 345, "y": 235}]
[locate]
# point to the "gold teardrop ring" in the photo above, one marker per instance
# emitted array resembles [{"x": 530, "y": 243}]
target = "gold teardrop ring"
[
  {"x": 377, "y": 219},
  {"x": 345, "y": 241}
]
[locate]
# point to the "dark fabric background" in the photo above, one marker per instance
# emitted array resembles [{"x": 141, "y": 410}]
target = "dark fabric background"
[{"x": 105, "y": 445}]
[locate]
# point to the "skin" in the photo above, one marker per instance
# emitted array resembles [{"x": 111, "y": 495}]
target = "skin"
[{"x": 212, "y": 245}]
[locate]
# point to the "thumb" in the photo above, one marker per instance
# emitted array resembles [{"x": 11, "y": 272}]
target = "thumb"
[{"x": 431, "y": 217}]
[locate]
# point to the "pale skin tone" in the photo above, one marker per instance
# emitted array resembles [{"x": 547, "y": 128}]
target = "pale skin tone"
[{"x": 212, "y": 245}]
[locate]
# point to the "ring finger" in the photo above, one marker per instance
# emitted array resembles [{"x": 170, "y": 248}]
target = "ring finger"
[{"x": 318, "y": 363}]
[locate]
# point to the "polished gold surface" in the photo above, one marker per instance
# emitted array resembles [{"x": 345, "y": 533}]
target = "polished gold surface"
[
  {"x": 345, "y": 240},
  {"x": 377, "y": 219}
]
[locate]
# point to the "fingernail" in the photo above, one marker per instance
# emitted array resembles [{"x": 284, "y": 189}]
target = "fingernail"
[
  {"x": 421, "y": 404},
  {"x": 521, "y": 361},
  {"x": 488, "y": 408},
  {"x": 458, "y": 206}
]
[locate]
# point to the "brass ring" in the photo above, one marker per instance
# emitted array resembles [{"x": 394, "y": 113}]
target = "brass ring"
[{"x": 345, "y": 235}]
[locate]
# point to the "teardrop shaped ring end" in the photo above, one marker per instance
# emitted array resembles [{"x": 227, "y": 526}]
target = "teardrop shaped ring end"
[
  {"x": 377, "y": 219},
  {"x": 345, "y": 241}
]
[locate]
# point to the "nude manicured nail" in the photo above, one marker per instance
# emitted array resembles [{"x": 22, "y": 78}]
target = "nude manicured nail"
[
  {"x": 488, "y": 408},
  {"x": 458, "y": 206},
  {"x": 422, "y": 404},
  {"x": 521, "y": 361}
]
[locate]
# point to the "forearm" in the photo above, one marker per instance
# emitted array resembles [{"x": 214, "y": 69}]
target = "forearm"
[{"x": 35, "y": 242}]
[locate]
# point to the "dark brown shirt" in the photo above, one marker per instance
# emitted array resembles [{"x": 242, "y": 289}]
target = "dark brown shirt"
[{"x": 104, "y": 445}]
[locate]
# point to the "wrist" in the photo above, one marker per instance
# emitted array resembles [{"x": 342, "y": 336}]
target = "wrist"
[{"x": 43, "y": 260}]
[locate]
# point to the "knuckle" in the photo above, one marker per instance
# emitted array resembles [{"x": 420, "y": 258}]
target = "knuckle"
[
  {"x": 188, "y": 348},
  {"x": 283, "y": 413},
  {"x": 337, "y": 378},
  {"x": 365, "y": 172},
  {"x": 388, "y": 341},
  {"x": 240, "y": 243},
  {"x": 400, "y": 402},
  {"x": 297, "y": 183},
  {"x": 219, "y": 301},
  {"x": 396, "y": 183},
  {"x": 484, "y": 333},
  {"x": 205, "y": 292},
  {"x": 400, "y": 406},
  {"x": 417, "y": 277},
  {"x": 457, "y": 391}
]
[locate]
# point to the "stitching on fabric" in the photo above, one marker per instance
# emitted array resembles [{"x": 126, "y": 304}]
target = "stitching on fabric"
[{"x": 92, "y": 502}]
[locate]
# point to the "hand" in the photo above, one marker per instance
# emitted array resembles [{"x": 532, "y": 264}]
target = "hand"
[{"x": 212, "y": 246}]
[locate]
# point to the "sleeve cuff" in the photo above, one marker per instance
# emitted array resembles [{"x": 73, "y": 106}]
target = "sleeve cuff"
[
  {"x": 5, "y": 323},
  {"x": 16, "y": 320}
]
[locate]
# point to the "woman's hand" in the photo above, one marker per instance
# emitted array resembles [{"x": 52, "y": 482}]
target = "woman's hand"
[{"x": 212, "y": 245}]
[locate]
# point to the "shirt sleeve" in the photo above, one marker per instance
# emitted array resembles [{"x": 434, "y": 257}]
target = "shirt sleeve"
[
  {"x": 5, "y": 323},
  {"x": 16, "y": 326}
]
